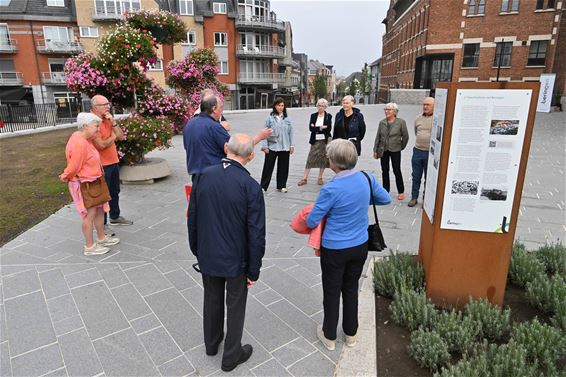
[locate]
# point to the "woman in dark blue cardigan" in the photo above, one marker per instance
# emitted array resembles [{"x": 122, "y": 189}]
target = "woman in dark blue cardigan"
[{"x": 320, "y": 126}]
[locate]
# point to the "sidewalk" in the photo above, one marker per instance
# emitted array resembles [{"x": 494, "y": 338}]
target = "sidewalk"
[{"x": 137, "y": 310}]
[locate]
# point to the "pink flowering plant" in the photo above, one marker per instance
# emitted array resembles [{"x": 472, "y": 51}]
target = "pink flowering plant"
[
  {"x": 125, "y": 44},
  {"x": 142, "y": 135},
  {"x": 165, "y": 27}
]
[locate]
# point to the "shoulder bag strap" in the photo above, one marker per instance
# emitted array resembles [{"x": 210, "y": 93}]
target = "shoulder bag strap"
[{"x": 371, "y": 197}]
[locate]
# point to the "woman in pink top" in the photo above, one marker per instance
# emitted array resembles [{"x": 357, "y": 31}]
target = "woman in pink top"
[{"x": 83, "y": 165}]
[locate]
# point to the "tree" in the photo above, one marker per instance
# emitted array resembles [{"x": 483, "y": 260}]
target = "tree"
[
  {"x": 319, "y": 87},
  {"x": 341, "y": 89},
  {"x": 365, "y": 80},
  {"x": 353, "y": 88}
]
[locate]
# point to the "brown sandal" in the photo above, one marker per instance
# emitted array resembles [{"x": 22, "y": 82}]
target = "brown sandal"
[
  {"x": 302, "y": 182},
  {"x": 320, "y": 181}
]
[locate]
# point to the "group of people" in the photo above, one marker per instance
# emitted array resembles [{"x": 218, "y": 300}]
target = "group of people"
[{"x": 226, "y": 216}]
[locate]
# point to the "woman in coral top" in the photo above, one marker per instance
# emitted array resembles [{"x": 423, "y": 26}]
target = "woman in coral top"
[{"x": 83, "y": 165}]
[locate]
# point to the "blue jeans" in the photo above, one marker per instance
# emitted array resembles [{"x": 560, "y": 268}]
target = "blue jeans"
[
  {"x": 112, "y": 176},
  {"x": 419, "y": 161}
]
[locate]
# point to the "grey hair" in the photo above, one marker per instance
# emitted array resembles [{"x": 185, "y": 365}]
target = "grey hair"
[
  {"x": 394, "y": 106},
  {"x": 241, "y": 145},
  {"x": 342, "y": 153},
  {"x": 206, "y": 92},
  {"x": 322, "y": 102},
  {"x": 208, "y": 103},
  {"x": 84, "y": 119},
  {"x": 349, "y": 97}
]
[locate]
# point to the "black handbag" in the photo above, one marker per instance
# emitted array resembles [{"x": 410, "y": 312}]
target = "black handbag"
[{"x": 376, "y": 242}]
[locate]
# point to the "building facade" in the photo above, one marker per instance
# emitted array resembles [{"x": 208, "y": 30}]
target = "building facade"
[
  {"x": 428, "y": 41},
  {"x": 316, "y": 68},
  {"x": 374, "y": 70}
]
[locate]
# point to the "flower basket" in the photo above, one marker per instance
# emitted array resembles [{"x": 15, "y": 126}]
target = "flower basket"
[
  {"x": 142, "y": 135},
  {"x": 164, "y": 26}
]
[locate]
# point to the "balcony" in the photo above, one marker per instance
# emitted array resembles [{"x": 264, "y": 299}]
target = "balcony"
[
  {"x": 288, "y": 62},
  {"x": 259, "y": 23},
  {"x": 102, "y": 14},
  {"x": 8, "y": 46},
  {"x": 260, "y": 51},
  {"x": 58, "y": 47},
  {"x": 291, "y": 81},
  {"x": 53, "y": 78},
  {"x": 261, "y": 78},
  {"x": 11, "y": 79}
]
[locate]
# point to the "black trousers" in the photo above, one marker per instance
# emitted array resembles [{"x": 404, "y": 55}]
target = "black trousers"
[
  {"x": 396, "y": 162},
  {"x": 213, "y": 314},
  {"x": 112, "y": 176},
  {"x": 282, "y": 158},
  {"x": 341, "y": 270}
]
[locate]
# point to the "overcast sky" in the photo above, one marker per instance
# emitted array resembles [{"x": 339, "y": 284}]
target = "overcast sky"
[{"x": 343, "y": 33}]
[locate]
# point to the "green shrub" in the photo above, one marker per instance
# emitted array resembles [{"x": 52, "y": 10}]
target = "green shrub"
[
  {"x": 458, "y": 331},
  {"x": 544, "y": 344},
  {"x": 396, "y": 272},
  {"x": 524, "y": 266},
  {"x": 559, "y": 317},
  {"x": 429, "y": 349},
  {"x": 412, "y": 310},
  {"x": 546, "y": 292},
  {"x": 493, "y": 322},
  {"x": 553, "y": 257}
]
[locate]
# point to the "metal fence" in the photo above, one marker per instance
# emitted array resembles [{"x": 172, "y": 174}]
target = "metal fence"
[{"x": 27, "y": 117}]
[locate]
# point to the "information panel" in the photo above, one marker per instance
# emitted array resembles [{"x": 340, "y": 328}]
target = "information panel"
[
  {"x": 488, "y": 133},
  {"x": 434, "y": 152}
]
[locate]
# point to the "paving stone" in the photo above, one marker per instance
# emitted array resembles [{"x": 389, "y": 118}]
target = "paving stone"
[
  {"x": 44, "y": 239},
  {"x": 268, "y": 296},
  {"x": 79, "y": 355},
  {"x": 147, "y": 279},
  {"x": 99, "y": 311},
  {"x": 204, "y": 365},
  {"x": 296, "y": 292},
  {"x": 53, "y": 283},
  {"x": 5, "y": 365},
  {"x": 313, "y": 365},
  {"x": 35, "y": 250},
  {"x": 113, "y": 276},
  {"x": 121, "y": 256},
  {"x": 176, "y": 368},
  {"x": 160, "y": 346},
  {"x": 12, "y": 270},
  {"x": 14, "y": 257},
  {"x": 61, "y": 372},
  {"x": 19, "y": 284},
  {"x": 145, "y": 323},
  {"x": 178, "y": 317},
  {"x": 38, "y": 362},
  {"x": 176, "y": 251},
  {"x": 260, "y": 354},
  {"x": 82, "y": 278},
  {"x": 122, "y": 354},
  {"x": 270, "y": 368},
  {"x": 68, "y": 324},
  {"x": 195, "y": 296},
  {"x": 132, "y": 304},
  {"x": 62, "y": 307},
  {"x": 293, "y": 352},
  {"x": 3, "y": 328},
  {"x": 12, "y": 244},
  {"x": 180, "y": 279},
  {"x": 28, "y": 324},
  {"x": 166, "y": 266},
  {"x": 68, "y": 247},
  {"x": 296, "y": 319}
]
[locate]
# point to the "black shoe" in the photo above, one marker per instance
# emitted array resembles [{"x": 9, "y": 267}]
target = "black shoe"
[
  {"x": 212, "y": 352},
  {"x": 245, "y": 354}
]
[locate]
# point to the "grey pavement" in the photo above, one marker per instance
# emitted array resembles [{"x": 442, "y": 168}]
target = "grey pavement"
[{"x": 137, "y": 311}]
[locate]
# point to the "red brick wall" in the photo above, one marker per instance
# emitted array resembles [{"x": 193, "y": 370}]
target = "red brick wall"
[{"x": 220, "y": 23}]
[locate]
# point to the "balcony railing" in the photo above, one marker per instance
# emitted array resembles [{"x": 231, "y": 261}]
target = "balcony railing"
[
  {"x": 8, "y": 46},
  {"x": 261, "y": 78},
  {"x": 260, "y": 51},
  {"x": 288, "y": 62},
  {"x": 58, "y": 47},
  {"x": 264, "y": 23},
  {"x": 291, "y": 81},
  {"x": 11, "y": 78},
  {"x": 100, "y": 13},
  {"x": 53, "y": 78}
]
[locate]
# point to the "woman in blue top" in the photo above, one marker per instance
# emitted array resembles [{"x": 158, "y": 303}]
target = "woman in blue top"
[
  {"x": 279, "y": 146},
  {"x": 344, "y": 201}
]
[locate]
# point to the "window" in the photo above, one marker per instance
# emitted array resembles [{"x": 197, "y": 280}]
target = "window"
[
  {"x": 158, "y": 66},
  {"x": 223, "y": 67},
  {"x": 219, "y": 8},
  {"x": 55, "y": 3},
  {"x": 549, "y": 4},
  {"x": 537, "y": 53},
  {"x": 4, "y": 3},
  {"x": 4, "y": 35},
  {"x": 56, "y": 34},
  {"x": 89, "y": 32},
  {"x": 191, "y": 38},
  {"x": 471, "y": 55},
  {"x": 221, "y": 39},
  {"x": 509, "y": 6},
  {"x": 476, "y": 7},
  {"x": 116, "y": 7},
  {"x": 503, "y": 54},
  {"x": 186, "y": 7}
]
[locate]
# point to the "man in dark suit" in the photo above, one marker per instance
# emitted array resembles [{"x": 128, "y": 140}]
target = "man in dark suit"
[{"x": 227, "y": 235}]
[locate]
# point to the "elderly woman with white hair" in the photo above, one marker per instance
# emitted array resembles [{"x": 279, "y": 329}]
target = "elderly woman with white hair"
[
  {"x": 83, "y": 165},
  {"x": 392, "y": 137},
  {"x": 320, "y": 126},
  {"x": 349, "y": 123},
  {"x": 344, "y": 201}
]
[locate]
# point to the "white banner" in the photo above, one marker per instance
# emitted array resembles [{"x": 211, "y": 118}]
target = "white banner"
[{"x": 545, "y": 94}]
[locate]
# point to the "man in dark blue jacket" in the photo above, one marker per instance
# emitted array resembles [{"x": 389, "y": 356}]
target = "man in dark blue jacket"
[{"x": 227, "y": 235}]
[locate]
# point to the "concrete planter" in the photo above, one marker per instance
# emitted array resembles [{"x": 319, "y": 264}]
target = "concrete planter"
[{"x": 146, "y": 172}]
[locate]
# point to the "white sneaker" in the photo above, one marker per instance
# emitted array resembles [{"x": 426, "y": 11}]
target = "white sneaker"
[
  {"x": 95, "y": 249},
  {"x": 329, "y": 344},
  {"x": 108, "y": 231},
  {"x": 351, "y": 341},
  {"x": 108, "y": 241},
  {"x": 283, "y": 190}
]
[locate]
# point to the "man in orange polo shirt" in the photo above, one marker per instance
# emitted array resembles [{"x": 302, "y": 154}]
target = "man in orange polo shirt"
[{"x": 109, "y": 132}]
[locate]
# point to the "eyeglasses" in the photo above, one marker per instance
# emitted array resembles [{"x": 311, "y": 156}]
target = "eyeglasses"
[
  {"x": 104, "y": 104},
  {"x": 388, "y": 109}
]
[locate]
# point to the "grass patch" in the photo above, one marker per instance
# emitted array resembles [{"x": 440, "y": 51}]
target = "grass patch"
[{"x": 31, "y": 190}]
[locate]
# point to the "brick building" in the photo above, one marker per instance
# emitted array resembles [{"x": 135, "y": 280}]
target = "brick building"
[{"x": 428, "y": 41}]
